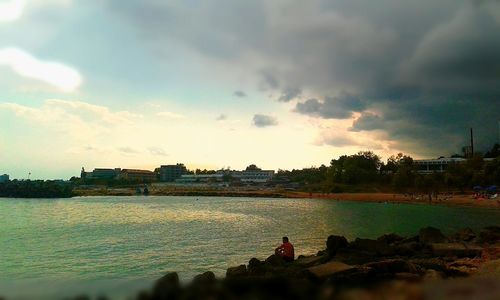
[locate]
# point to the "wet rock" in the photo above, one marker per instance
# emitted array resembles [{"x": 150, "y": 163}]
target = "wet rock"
[
  {"x": 431, "y": 235},
  {"x": 489, "y": 235},
  {"x": 328, "y": 269},
  {"x": 239, "y": 271},
  {"x": 455, "y": 250},
  {"x": 390, "y": 238},
  {"x": 167, "y": 287},
  {"x": 334, "y": 243},
  {"x": 464, "y": 235}
]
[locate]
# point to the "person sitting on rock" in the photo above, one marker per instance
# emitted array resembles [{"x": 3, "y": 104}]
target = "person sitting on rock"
[{"x": 286, "y": 250}]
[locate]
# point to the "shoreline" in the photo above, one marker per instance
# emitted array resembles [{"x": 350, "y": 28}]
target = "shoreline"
[{"x": 461, "y": 200}]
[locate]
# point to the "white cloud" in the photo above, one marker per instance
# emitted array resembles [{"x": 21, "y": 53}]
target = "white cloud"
[
  {"x": 81, "y": 120},
  {"x": 11, "y": 10},
  {"x": 170, "y": 115},
  {"x": 56, "y": 74}
]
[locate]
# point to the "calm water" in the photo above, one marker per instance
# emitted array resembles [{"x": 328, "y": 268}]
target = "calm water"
[{"x": 119, "y": 244}]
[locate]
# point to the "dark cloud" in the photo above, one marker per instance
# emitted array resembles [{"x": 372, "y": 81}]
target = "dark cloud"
[
  {"x": 341, "y": 107},
  {"x": 260, "y": 120},
  {"x": 289, "y": 94},
  {"x": 239, "y": 94},
  {"x": 428, "y": 68}
]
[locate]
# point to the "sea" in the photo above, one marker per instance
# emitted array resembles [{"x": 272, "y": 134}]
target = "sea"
[{"x": 116, "y": 246}]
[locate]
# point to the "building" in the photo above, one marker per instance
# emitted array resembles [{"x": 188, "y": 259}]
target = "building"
[
  {"x": 200, "y": 178},
  {"x": 440, "y": 165},
  {"x": 101, "y": 173},
  {"x": 137, "y": 175},
  {"x": 4, "y": 178},
  {"x": 169, "y": 173},
  {"x": 254, "y": 176}
]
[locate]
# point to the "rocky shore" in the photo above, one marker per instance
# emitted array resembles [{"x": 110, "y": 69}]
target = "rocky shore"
[{"x": 429, "y": 265}]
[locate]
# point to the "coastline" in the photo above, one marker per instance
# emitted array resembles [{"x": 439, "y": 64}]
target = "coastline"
[{"x": 464, "y": 200}]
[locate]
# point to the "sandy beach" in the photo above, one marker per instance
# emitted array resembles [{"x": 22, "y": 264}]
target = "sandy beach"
[{"x": 442, "y": 199}]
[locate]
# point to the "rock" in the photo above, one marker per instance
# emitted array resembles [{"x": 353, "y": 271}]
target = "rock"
[
  {"x": 374, "y": 247},
  {"x": 328, "y": 269},
  {"x": 309, "y": 261},
  {"x": 488, "y": 235},
  {"x": 432, "y": 275},
  {"x": 390, "y": 238},
  {"x": 393, "y": 266},
  {"x": 407, "y": 249},
  {"x": 239, "y": 271},
  {"x": 431, "y": 235},
  {"x": 437, "y": 264},
  {"x": 275, "y": 260},
  {"x": 257, "y": 267},
  {"x": 455, "y": 250},
  {"x": 354, "y": 276},
  {"x": 334, "y": 243},
  {"x": 464, "y": 235},
  {"x": 407, "y": 276},
  {"x": 167, "y": 287},
  {"x": 205, "y": 278}
]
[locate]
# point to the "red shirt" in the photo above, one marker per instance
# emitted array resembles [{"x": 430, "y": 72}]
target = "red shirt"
[{"x": 288, "y": 250}]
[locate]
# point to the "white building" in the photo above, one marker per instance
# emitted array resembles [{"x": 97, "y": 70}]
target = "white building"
[
  {"x": 254, "y": 176},
  {"x": 440, "y": 165}
]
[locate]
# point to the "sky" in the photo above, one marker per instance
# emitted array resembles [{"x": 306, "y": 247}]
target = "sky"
[{"x": 212, "y": 84}]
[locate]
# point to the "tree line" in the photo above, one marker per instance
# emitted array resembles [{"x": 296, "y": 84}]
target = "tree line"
[{"x": 365, "y": 171}]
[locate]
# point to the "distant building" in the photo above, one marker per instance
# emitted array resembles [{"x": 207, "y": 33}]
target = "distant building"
[
  {"x": 4, "y": 178},
  {"x": 169, "y": 173},
  {"x": 440, "y": 165},
  {"x": 254, "y": 176},
  {"x": 137, "y": 175},
  {"x": 101, "y": 173},
  {"x": 200, "y": 178}
]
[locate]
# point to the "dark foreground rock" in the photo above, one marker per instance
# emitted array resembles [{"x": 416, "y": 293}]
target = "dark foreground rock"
[{"x": 384, "y": 268}]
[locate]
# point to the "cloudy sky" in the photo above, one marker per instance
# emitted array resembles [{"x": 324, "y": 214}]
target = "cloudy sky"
[{"x": 283, "y": 84}]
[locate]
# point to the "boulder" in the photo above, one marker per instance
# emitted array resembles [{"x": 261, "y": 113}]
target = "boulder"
[
  {"x": 437, "y": 264},
  {"x": 374, "y": 247},
  {"x": 328, "y": 269},
  {"x": 489, "y": 235},
  {"x": 407, "y": 249},
  {"x": 257, "y": 267},
  {"x": 239, "y": 271},
  {"x": 455, "y": 250},
  {"x": 334, "y": 243},
  {"x": 275, "y": 261},
  {"x": 167, "y": 287},
  {"x": 354, "y": 276},
  {"x": 393, "y": 266},
  {"x": 309, "y": 261},
  {"x": 464, "y": 235},
  {"x": 390, "y": 238},
  {"x": 431, "y": 235},
  {"x": 432, "y": 275},
  {"x": 205, "y": 278}
]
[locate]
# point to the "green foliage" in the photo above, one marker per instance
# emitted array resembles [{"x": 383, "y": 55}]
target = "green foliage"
[{"x": 36, "y": 189}]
